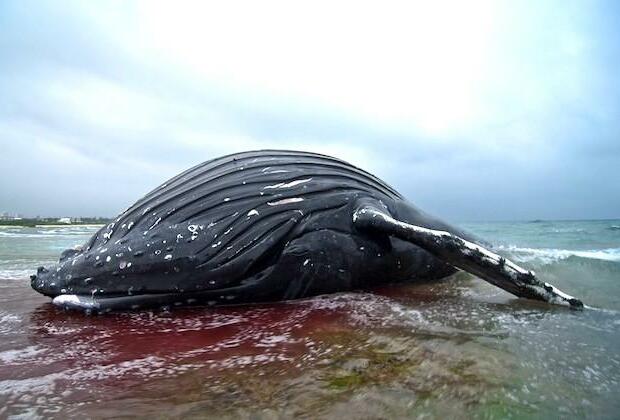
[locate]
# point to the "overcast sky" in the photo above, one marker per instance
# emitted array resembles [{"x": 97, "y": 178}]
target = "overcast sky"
[{"x": 473, "y": 110}]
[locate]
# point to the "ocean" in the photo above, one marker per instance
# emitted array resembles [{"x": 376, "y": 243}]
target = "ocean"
[{"x": 457, "y": 348}]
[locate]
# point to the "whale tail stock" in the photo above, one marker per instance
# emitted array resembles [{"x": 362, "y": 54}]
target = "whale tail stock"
[{"x": 463, "y": 254}]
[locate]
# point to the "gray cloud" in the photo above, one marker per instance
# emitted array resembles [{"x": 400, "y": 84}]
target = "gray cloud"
[{"x": 89, "y": 121}]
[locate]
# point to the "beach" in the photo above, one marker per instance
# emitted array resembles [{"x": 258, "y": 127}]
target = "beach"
[{"x": 458, "y": 348}]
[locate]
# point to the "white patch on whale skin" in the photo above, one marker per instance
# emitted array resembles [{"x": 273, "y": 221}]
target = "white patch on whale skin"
[
  {"x": 287, "y": 185},
  {"x": 75, "y": 301},
  {"x": 156, "y": 222},
  {"x": 285, "y": 201},
  {"x": 194, "y": 231}
]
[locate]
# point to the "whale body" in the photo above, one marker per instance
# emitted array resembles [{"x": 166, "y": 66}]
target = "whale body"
[{"x": 266, "y": 226}]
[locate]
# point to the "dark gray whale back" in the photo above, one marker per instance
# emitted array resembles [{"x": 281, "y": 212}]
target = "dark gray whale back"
[
  {"x": 221, "y": 192},
  {"x": 231, "y": 205}
]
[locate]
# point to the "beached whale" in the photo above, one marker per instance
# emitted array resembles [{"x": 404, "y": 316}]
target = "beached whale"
[{"x": 265, "y": 226}]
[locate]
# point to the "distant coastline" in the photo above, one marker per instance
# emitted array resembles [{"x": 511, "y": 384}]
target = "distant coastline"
[{"x": 53, "y": 222}]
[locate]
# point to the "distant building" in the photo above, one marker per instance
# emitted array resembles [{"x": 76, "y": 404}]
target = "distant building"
[
  {"x": 8, "y": 216},
  {"x": 65, "y": 220}
]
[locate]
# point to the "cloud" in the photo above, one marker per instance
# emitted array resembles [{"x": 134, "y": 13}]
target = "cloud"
[{"x": 492, "y": 111}]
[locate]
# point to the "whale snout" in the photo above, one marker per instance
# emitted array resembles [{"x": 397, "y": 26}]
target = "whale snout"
[{"x": 46, "y": 283}]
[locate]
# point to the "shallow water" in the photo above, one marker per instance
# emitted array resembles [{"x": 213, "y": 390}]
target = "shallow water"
[{"x": 459, "y": 348}]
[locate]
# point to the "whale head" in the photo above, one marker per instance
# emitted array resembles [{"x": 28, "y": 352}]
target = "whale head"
[{"x": 86, "y": 278}]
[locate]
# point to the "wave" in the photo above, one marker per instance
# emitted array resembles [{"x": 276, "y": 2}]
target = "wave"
[
  {"x": 550, "y": 255},
  {"x": 614, "y": 227},
  {"x": 47, "y": 232},
  {"x": 16, "y": 274}
]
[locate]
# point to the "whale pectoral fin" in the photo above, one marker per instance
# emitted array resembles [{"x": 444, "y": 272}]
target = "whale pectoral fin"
[{"x": 463, "y": 254}]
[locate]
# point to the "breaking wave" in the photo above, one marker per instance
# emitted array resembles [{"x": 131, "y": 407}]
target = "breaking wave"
[
  {"x": 550, "y": 255},
  {"x": 16, "y": 274},
  {"x": 37, "y": 233}
]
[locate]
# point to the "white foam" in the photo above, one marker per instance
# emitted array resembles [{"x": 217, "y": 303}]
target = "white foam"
[
  {"x": 15, "y": 274},
  {"x": 549, "y": 255},
  {"x": 19, "y": 355},
  {"x": 7, "y": 322},
  {"x": 46, "y": 232}
]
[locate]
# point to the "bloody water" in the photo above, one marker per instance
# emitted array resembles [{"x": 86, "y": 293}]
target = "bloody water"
[
  {"x": 367, "y": 354},
  {"x": 233, "y": 360}
]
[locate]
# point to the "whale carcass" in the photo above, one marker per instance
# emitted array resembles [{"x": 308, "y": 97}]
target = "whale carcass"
[{"x": 265, "y": 226}]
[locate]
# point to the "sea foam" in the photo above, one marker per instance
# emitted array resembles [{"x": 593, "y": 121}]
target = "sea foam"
[{"x": 549, "y": 255}]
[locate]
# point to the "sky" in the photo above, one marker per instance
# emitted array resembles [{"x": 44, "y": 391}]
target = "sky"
[{"x": 478, "y": 110}]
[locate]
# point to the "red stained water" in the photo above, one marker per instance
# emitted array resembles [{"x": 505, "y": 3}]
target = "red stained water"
[
  {"x": 54, "y": 362},
  {"x": 404, "y": 351}
]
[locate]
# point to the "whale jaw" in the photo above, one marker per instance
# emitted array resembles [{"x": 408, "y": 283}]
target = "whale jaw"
[
  {"x": 85, "y": 303},
  {"x": 104, "y": 304}
]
